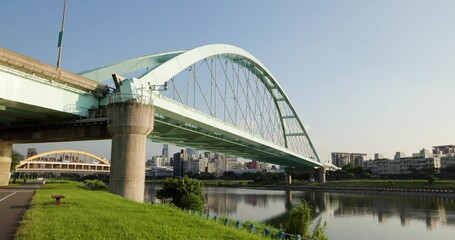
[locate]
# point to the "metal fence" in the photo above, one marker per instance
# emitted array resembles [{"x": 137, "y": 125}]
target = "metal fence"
[{"x": 265, "y": 232}]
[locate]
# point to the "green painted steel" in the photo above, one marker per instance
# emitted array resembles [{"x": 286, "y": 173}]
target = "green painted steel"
[
  {"x": 160, "y": 68},
  {"x": 174, "y": 122}
]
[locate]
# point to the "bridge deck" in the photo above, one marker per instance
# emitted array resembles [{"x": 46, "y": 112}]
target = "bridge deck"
[{"x": 20, "y": 62}]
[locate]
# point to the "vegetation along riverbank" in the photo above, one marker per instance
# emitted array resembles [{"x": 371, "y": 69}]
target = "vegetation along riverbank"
[{"x": 89, "y": 214}]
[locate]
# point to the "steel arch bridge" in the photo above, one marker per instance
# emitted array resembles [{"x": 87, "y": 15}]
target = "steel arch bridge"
[
  {"x": 64, "y": 161},
  {"x": 216, "y": 97}
]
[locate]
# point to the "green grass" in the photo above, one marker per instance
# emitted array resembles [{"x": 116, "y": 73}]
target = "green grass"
[
  {"x": 408, "y": 184},
  {"x": 87, "y": 214},
  {"x": 20, "y": 182}
]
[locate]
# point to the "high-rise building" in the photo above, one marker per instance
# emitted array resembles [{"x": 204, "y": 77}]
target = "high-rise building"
[
  {"x": 399, "y": 155},
  {"x": 340, "y": 159},
  {"x": 180, "y": 163},
  {"x": 378, "y": 156},
  {"x": 165, "y": 152},
  {"x": 192, "y": 153},
  {"x": 31, "y": 152},
  {"x": 252, "y": 165},
  {"x": 425, "y": 153},
  {"x": 357, "y": 159},
  {"x": 444, "y": 150},
  {"x": 199, "y": 165}
]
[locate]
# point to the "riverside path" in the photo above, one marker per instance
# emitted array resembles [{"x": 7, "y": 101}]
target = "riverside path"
[{"x": 13, "y": 203}]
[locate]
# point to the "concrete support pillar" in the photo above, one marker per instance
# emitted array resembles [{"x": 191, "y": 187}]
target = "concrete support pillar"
[
  {"x": 6, "y": 151},
  {"x": 129, "y": 124},
  {"x": 288, "y": 176},
  {"x": 321, "y": 173}
]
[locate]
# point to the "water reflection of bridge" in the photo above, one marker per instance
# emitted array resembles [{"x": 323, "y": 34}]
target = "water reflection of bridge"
[
  {"x": 426, "y": 209},
  {"x": 430, "y": 210},
  {"x": 64, "y": 161}
]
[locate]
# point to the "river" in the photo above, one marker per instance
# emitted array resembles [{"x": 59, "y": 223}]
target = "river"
[{"x": 348, "y": 215}]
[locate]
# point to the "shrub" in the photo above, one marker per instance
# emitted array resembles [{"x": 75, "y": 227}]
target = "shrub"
[
  {"x": 192, "y": 202},
  {"x": 299, "y": 223},
  {"x": 185, "y": 193},
  {"x": 95, "y": 184},
  {"x": 299, "y": 220}
]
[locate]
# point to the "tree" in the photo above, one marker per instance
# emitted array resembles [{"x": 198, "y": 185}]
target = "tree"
[
  {"x": 348, "y": 167},
  {"x": 431, "y": 179},
  {"x": 185, "y": 193},
  {"x": 15, "y": 159},
  {"x": 366, "y": 175}
]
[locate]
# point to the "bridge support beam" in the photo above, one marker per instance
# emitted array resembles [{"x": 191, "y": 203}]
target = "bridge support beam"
[
  {"x": 130, "y": 124},
  {"x": 6, "y": 152},
  {"x": 321, "y": 173}
]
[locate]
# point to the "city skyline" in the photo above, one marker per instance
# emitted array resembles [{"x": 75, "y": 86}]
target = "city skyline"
[{"x": 363, "y": 76}]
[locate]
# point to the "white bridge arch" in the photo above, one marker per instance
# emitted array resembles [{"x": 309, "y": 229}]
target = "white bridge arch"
[{"x": 268, "y": 128}]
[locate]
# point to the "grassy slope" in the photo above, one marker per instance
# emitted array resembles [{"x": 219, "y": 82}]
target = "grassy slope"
[
  {"x": 409, "y": 184},
  {"x": 86, "y": 214}
]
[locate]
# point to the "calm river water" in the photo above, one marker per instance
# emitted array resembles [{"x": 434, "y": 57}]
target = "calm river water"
[{"x": 348, "y": 216}]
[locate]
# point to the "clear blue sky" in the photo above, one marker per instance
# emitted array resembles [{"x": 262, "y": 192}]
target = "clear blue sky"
[{"x": 364, "y": 76}]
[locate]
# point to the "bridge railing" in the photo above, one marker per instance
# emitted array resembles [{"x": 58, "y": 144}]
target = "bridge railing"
[{"x": 133, "y": 98}]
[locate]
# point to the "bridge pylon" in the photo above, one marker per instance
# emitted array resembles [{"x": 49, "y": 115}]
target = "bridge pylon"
[
  {"x": 6, "y": 151},
  {"x": 129, "y": 123}
]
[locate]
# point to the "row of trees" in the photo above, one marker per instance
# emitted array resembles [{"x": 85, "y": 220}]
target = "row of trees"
[
  {"x": 350, "y": 171},
  {"x": 257, "y": 177}
]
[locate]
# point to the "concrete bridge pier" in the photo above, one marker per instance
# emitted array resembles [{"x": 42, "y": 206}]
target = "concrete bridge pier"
[
  {"x": 130, "y": 124},
  {"x": 321, "y": 173},
  {"x": 288, "y": 176},
  {"x": 6, "y": 151}
]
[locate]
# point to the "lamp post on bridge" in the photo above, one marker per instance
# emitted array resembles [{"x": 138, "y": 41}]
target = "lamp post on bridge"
[{"x": 60, "y": 35}]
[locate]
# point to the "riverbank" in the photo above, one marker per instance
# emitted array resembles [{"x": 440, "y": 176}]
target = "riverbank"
[
  {"x": 88, "y": 214},
  {"x": 442, "y": 188},
  {"x": 221, "y": 183},
  {"x": 422, "y": 185},
  {"x": 393, "y": 184}
]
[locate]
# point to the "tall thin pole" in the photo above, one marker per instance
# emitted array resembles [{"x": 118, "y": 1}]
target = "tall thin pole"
[{"x": 60, "y": 36}]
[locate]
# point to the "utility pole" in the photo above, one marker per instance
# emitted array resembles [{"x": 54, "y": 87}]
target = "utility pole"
[{"x": 60, "y": 36}]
